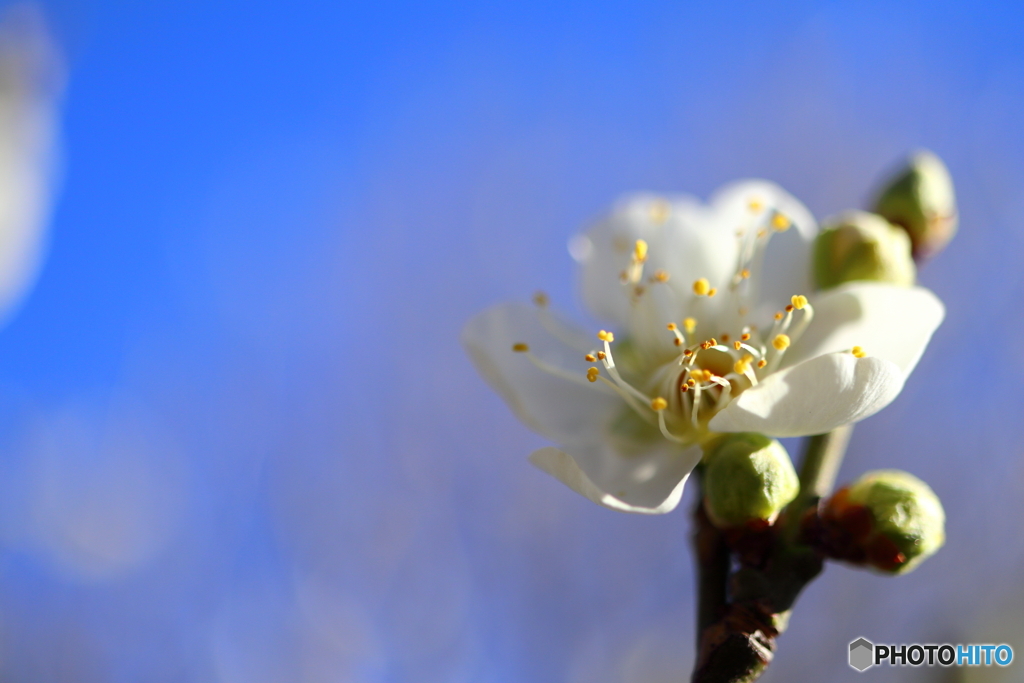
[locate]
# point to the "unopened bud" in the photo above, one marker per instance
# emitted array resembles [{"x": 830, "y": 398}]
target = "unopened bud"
[
  {"x": 749, "y": 478},
  {"x": 857, "y": 245},
  {"x": 920, "y": 199},
  {"x": 890, "y": 520}
]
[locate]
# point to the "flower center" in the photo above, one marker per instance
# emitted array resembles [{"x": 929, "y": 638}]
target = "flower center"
[
  {"x": 685, "y": 392},
  {"x": 682, "y": 392}
]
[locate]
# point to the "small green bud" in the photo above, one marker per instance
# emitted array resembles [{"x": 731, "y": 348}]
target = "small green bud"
[
  {"x": 920, "y": 199},
  {"x": 748, "y": 478},
  {"x": 899, "y": 521},
  {"x": 857, "y": 245}
]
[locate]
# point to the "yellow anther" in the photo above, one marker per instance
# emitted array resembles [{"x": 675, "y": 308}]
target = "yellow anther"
[
  {"x": 592, "y": 374},
  {"x": 677, "y": 341},
  {"x": 658, "y": 404},
  {"x": 606, "y": 336},
  {"x": 745, "y": 273},
  {"x": 780, "y": 222},
  {"x": 707, "y": 375},
  {"x": 659, "y": 211},
  {"x": 779, "y": 316},
  {"x": 737, "y": 345},
  {"x": 858, "y": 352},
  {"x": 742, "y": 366},
  {"x": 690, "y": 324},
  {"x": 745, "y": 336},
  {"x": 520, "y": 347},
  {"x": 691, "y": 382},
  {"x": 761, "y": 363},
  {"x": 712, "y": 291},
  {"x": 601, "y": 355},
  {"x": 684, "y": 388},
  {"x": 781, "y": 342},
  {"x": 799, "y": 301},
  {"x": 590, "y": 358},
  {"x": 660, "y": 276},
  {"x": 671, "y": 327},
  {"x": 789, "y": 308},
  {"x": 713, "y": 342},
  {"x": 755, "y": 206},
  {"x": 701, "y": 287},
  {"x": 688, "y": 352},
  {"x": 640, "y": 251}
]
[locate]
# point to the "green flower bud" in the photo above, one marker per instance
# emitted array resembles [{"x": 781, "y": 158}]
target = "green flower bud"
[
  {"x": 857, "y": 245},
  {"x": 748, "y": 478},
  {"x": 920, "y": 199},
  {"x": 901, "y": 521}
]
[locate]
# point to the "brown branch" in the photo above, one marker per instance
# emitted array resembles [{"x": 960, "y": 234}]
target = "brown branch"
[
  {"x": 712, "y": 556},
  {"x": 739, "y": 620}
]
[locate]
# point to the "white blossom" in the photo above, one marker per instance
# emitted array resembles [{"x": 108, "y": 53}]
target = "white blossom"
[{"x": 712, "y": 328}]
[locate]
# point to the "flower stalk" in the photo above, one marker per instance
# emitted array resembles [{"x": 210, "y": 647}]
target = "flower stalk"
[{"x": 818, "y": 470}]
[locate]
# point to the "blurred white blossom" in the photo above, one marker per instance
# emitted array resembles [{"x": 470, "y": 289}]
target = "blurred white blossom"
[{"x": 31, "y": 81}]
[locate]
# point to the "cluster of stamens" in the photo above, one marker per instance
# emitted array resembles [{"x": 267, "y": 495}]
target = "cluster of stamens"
[{"x": 693, "y": 390}]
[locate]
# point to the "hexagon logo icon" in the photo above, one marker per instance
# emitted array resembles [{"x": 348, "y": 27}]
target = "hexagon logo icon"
[{"x": 862, "y": 654}]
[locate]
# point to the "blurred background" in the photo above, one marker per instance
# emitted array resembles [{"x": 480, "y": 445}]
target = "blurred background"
[{"x": 239, "y": 441}]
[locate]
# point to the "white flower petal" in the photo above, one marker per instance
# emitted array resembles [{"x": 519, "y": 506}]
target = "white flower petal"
[
  {"x": 552, "y": 406},
  {"x": 614, "y": 462},
  {"x": 690, "y": 240},
  {"x": 887, "y": 321},
  {"x": 813, "y": 397},
  {"x": 648, "y": 484},
  {"x": 786, "y": 268},
  {"x": 685, "y": 239},
  {"x": 732, "y": 202}
]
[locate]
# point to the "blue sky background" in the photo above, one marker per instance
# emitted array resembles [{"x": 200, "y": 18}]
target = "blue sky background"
[{"x": 240, "y": 441}]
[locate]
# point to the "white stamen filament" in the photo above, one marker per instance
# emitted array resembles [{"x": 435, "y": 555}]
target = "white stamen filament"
[
  {"x": 637, "y": 407},
  {"x": 774, "y": 355},
  {"x": 694, "y": 417},
  {"x": 679, "y": 335},
  {"x": 553, "y": 326},
  {"x": 723, "y": 397},
  {"x": 756, "y": 353},
  {"x": 609, "y": 364},
  {"x": 664, "y": 429},
  {"x": 559, "y": 372},
  {"x": 805, "y": 320}
]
